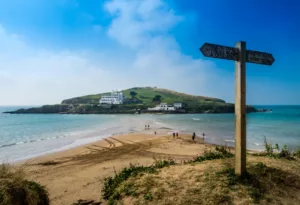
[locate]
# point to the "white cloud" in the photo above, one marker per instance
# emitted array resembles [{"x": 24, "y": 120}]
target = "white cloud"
[
  {"x": 143, "y": 26},
  {"x": 137, "y": 22},
  {"x": 30, "y": 75}
]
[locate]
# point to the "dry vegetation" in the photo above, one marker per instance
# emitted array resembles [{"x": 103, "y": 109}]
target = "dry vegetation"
[
  {"x": 16, "y": 190},
  {"x": 268, "y": 181}
]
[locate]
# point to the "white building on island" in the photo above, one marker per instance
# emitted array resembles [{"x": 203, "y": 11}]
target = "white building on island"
[
  {"x": 177, "y": 105},
  {"x": 115, "y": 97},
  {"x": 163, "y": 107}
]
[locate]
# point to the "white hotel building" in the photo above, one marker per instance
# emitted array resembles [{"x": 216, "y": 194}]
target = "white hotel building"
[
  {"x": 114, "y": 98},
  {"x": 166, "y": 107}
]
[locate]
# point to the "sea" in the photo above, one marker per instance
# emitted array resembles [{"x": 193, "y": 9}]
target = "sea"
[{"x": 24, "y": 136}]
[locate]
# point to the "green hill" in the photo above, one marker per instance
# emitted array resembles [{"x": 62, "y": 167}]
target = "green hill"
[
  {"x": 145, "y": 95},
  {"x": 138, "y": 100}
]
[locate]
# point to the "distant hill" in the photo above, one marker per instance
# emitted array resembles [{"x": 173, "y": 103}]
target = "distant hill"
[
  {"x": 144, "y": 98},
  {"x": 146, "y": 95}
]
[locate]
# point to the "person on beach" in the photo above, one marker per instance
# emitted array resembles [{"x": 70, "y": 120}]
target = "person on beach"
[
  {"x": 176, "y": 134},
  {"x": 173, "y": 134},
  {"x": 194, "y": 135},
  {"x": 145, "y": 127},
  {"x": 155, "y": 133},
  {"x": 148, "y": 127}
]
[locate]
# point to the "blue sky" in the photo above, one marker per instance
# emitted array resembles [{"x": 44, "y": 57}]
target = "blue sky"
[{"x": 52, "y": 50}]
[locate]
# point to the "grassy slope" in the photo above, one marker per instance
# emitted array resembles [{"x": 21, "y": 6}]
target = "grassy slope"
[
  {"x": 214, "y": 183},
  {"x": 269, "y": 181},
  {"x": 146, "y": 94}
]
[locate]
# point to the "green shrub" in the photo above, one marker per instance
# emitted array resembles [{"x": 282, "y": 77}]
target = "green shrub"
[
  {"x": 285, "y": 153},
  {"x": 163, "y": 163},
  {"x": 223, "y": 150},
  {"x": 111, "y": 183},
  {"x": 220, "y": 153},
  {"x": 297, "y": 153},
  {"x": 148, "y": 196},
  {"x": 269, "y": 147}
]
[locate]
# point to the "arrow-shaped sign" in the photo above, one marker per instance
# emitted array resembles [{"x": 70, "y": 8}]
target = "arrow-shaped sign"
[
  {"x": 259, "y": 57},
  {"x": 231, "y": 53},
  {"x": 218, "y": 51},
  {"x": 240, "y": 55}
]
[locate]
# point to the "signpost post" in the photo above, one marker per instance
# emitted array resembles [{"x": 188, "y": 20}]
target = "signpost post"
[{"x": 240, "y": 55}]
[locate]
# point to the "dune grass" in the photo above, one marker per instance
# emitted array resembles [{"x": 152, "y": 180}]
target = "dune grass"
[
  {"x": 116, "y": 187},
  {"x": 16, "y": 190},
  {"x": 207, "y": 179},
  {"x": 220, "y": 152},
  {"x": 274, "y": 151},
  {"x": 110, "y": 191}
]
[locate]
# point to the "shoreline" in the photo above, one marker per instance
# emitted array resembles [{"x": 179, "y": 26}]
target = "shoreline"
[
  {"x": 123, "y": 125},
  {"x": 58, "y": 152},
  {"x": 60, "y": 141},
  {"x": 96, "y": 136}
]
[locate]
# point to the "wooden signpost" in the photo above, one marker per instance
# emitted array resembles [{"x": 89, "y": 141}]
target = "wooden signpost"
[{"x": 240, "y": 55}]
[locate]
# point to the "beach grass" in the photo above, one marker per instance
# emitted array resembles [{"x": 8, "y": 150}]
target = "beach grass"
[
  {"x": 111, "y": 184},
  {"x": 16, "y": 190},
  {"x": 207, "y": 179},
  {"x": 274, "y": 151},
  {"x": 115, "y": 188},
  {"x": 220, "y": 152}
]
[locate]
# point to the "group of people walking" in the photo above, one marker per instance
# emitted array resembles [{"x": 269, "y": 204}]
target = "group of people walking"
[
  {"x": 175, "y": 134},
  {"x": 194, "y": 135}
]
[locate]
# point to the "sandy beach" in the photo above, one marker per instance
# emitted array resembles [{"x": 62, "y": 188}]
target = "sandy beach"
[{"x": 79, "y": 173}]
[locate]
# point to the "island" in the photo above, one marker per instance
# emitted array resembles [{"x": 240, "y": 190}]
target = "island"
[{"x": 137, "y": 100}]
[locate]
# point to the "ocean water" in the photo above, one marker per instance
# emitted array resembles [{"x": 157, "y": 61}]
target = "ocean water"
[{"x": 24, "y": 136}]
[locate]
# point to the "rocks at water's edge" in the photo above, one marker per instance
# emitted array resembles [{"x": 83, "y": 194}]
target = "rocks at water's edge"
[{"x": 264, "y": 110}]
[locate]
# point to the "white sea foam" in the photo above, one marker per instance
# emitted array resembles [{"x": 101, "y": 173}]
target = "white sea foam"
[
  {"x": 79, "y": 142},
  {"x": 229, "y": 140},
  {"x": 257, "y": 144}
]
